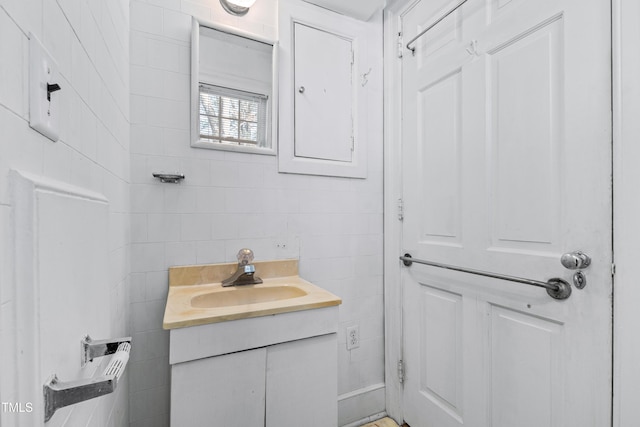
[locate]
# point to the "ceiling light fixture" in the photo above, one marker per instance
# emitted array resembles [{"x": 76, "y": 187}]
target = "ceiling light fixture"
[{"x": 237, "y": 7}]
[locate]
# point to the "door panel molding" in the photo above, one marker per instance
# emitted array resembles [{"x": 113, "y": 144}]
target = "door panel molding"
[{"x": 524, "y": 139}]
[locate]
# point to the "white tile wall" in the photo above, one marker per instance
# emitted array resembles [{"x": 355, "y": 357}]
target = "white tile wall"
[
  {"x": 231, "y": 200},
  {"x": 90, "y": 41}
]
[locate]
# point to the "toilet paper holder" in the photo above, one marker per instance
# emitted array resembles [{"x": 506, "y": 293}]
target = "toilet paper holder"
[
  {"x": 58, "y": 394},
  {"x": 89, "y": 348}
]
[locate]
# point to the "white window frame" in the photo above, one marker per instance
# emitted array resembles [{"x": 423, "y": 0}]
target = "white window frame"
[{"x": 197, "y": 79}]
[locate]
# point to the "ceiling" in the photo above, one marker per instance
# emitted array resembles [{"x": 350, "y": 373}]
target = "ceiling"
[{"x": 359, "y": 9}]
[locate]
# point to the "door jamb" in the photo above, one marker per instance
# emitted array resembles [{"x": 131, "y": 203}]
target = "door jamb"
[
  {"x": 626, "y": 210},
  {"x": 392, "y": 193},
  {"x": 392, "y": 225}
]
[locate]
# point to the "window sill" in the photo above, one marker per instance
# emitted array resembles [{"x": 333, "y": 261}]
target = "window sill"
[{"x": 234, "y": 148}]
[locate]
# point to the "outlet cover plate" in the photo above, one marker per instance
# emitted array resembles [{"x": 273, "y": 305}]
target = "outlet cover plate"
[{"x": 353, "y": 337}]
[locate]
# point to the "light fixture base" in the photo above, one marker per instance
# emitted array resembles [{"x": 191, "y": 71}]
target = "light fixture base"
[{"x": 233, "y": 9}]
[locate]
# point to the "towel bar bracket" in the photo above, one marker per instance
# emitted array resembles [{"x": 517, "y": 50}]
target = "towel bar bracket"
[{"x": 433, "y": 24}]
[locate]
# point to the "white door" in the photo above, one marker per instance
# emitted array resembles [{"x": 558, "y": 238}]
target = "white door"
[{"x": 506, "y": 166}]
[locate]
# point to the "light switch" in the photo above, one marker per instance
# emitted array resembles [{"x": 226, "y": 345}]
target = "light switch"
[{"x": 44, "y": 87}]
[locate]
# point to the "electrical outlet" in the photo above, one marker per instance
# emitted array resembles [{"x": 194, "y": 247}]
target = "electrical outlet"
[{"x": 353, "y": 337}]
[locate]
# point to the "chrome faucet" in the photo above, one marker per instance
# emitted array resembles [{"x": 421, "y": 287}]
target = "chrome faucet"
[{"x": 244, "y": 273}]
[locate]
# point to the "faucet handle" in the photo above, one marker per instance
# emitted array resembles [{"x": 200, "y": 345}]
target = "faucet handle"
[{"x": 245, "y": 256}]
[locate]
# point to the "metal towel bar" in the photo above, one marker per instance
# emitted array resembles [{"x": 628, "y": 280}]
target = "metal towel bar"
[
  {"x": 423, "y": 32},
  {"x": 556, "y": 288}
]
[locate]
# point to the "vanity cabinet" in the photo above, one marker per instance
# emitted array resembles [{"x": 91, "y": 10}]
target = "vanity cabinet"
[
  {"x": 251, "y": 356},
  {"x": 282, "y": 385}
]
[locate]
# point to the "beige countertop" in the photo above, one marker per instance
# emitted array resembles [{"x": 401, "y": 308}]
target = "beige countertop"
[{"x": 189, "y": 286}]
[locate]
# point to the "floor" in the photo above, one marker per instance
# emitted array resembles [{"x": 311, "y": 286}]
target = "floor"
[{"x": 384, "y": 422}]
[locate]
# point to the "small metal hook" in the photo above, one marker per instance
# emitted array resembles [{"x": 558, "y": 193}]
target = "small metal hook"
[
  {"x": 473, "y": 48},
  {"x": 365, "y": 78}
]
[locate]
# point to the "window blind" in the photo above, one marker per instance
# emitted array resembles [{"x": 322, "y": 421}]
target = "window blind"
[{"x": 230, "y": 116}]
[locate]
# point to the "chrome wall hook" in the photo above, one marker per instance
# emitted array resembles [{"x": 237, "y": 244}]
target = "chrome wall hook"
[
  {"x": 472, "y": 49},
  {"x": 365, "y": 78}
]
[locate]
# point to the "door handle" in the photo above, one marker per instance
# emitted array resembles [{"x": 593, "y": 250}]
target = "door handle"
[{"x": 576, "y": 260}]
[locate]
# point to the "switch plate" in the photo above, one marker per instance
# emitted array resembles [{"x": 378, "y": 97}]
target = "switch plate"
[{"x": 44, "y": 114}]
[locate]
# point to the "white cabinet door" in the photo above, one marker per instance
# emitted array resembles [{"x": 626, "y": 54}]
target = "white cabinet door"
[
  {"x": 276, "y": 386},
  {"x": 506, "y": 166},
  {"x": 324, "y": 97},
  {"x": 225, "y": 390},
  {"x": 329, "y": 91},
  {"x": 302, "y": 383}
]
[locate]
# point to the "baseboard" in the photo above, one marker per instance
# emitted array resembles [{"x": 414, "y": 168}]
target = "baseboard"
[
  {"x": 361, "y": 406},
  {"x": 369, "y": 419}
]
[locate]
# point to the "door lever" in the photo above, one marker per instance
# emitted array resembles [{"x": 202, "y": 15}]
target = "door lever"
[{"x": 576, "y": 260}]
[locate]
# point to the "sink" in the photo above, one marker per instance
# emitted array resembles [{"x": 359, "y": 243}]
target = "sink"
[
  {"x": 197, "y": 297},
  {"x": 246, "y": 295}
]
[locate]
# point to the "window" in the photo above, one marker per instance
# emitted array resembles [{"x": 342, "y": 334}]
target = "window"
[
  {"x": 234, "y": 117},
  {"x": 233, "y": 104}
]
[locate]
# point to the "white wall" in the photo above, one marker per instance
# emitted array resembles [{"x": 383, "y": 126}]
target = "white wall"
[
  {"x": 89, "y": 40},
  {"x": 231, "y": 200}
]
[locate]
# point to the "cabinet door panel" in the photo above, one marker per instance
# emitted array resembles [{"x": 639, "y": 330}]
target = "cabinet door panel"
[
  {"x": 225, "y": 390},
  {"x": 323, "y": 95},
  {"x": 302, "y": 383}
]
